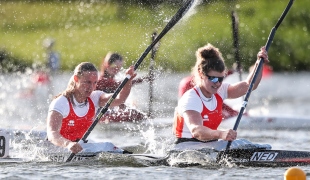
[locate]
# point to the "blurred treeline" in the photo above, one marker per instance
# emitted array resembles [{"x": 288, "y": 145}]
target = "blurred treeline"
[{"x": 87, "y": 30}]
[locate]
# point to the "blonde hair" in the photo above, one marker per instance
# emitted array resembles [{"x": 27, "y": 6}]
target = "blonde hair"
[
  {"x": 78, "y": 71},
  {"x": 208, "y": 58}
]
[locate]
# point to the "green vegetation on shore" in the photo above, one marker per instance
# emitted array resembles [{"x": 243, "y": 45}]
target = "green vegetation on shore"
[{"x": 86, "y": 31}]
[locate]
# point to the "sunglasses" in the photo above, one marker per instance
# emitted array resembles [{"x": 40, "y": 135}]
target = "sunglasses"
[{"x": 215, "y": 79}]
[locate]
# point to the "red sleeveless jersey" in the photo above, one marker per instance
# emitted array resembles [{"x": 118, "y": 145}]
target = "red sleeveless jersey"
[
  {"x": 211, "y": 119},
  {"x": 73, "y": 127}
]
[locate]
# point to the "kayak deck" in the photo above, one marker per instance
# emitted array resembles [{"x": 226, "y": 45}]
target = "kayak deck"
[{"x": 265, "y": 158}]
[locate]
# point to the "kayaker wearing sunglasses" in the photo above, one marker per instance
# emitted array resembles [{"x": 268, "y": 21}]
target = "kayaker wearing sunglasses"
[{"x": 199, "y": 111}]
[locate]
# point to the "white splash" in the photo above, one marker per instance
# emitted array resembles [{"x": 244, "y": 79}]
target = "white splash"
[{"x": 192, "y": 10}]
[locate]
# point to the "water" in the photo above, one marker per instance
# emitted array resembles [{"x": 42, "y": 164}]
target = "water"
[{"x": 285, "y": 94}]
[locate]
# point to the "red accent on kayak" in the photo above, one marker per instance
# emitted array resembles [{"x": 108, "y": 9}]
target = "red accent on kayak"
[{"x": 295, "y": 160}]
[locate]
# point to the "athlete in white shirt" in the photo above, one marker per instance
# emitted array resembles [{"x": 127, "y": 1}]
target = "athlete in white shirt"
[{"x": 199, "y": 110}]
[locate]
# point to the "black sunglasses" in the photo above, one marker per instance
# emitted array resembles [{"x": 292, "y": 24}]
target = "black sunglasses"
[{"x": 215, "y": 79}]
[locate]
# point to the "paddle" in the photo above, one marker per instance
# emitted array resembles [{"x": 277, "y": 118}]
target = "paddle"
[
  {"x": 181, "y": 12},
  {"x": 259, "y": 68},
  {"x": 151, "y": 76},
  {"x": 235, "y": 23}
]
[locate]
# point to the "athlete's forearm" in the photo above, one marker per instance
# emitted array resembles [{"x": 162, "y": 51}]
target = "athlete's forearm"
[
  {"x": 205, "y": 134},
  {"x": 251, "y": 75},
  {"x": 123, "y": 95},
  {"x": 57, "y": 139}
]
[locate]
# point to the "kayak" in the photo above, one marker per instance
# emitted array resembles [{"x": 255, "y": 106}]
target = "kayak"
[
  {"x": 91, "y": 151},
  {"x": 12, "y": 140},
  {"x": 126, "y": 115},
  {"x": 241, "y": 153}
]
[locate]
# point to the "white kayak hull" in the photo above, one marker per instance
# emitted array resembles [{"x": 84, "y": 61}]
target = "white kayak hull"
[
  {"x": 13, "y": 160},
  {"x": 243, "y": 153},
  {"x": 90, "y": 151},
  {"x": 11, "y": 149},
  {"x": 213, "y": 154}
]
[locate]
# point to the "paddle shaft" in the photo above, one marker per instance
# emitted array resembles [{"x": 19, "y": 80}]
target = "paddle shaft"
[
  {"x": 181, "y": 12},
  {"x": 151, "y": 76},
  {"x": 235, "y": 23},
  {"x": 259, "y": 68}
]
